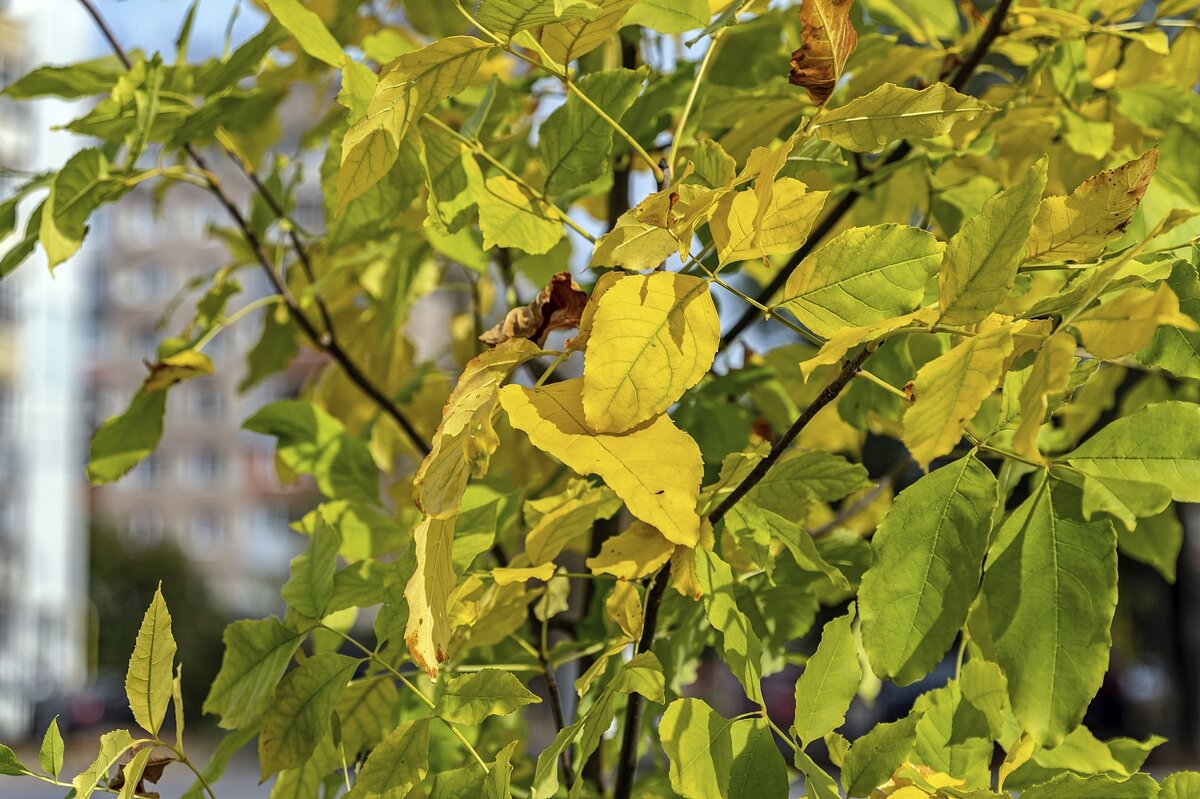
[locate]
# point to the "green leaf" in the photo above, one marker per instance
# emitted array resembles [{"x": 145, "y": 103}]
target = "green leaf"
[
  {"x": 274, "y": 349},
  {"x": 148, "y": 679},
  {"x": 397, "y": 764},
  {"x": 1181, "y": 785},
  {"x": 310, "y": 586},
  {"x": 498, "y": 783},
  {"x": 256, "y": 655},
  {"x": 509, "y": 217},
  {"x": 132, "y": 772},
  {"x": 453, "y": 178},
  {"x": 712, "y": 757},
  {"x": 299, "y": 715},
  {"x": 50, "y": 756},
  {"x": 124, "y": 441},
  {"x": 506, "y": 18},
  {"x": 1172, "y": 348},
  {"x": 863, "y": 276},
  {"x": 1158, "y": 444},
  {"x": 761, "y": 525},
  {"x": 81, "y": 79},
  {"x": 929, "y": 554},
  {"x": 575, "y": 143},
  {"x": 953, "y": 736},
  {"x": 829, "y": 681},
  {"x": 817, "y": 783},
  {"x": 739, "y": 642},
  {"x": 949, "y": 390},
  {"x": 757, "y": 770},
  {"x": 813, "y": 475},
  {"x": 309, "y": 30},
  {"x": 873, "y": 757},
  {"x": 1050, "y": 585},
  {"x": 1155, "y": 541},
  {"x": 670, "y": 16},
  {"x": 890, "y": 113},
  {"x": 1073, "y": 786},
  {"x": 79, "y": 188},
  {"x": 567, "y": 40},
  {"x": 112, "y": 746},
  {"x": 10, "y": 766},
  {"x": 311, "y": 441},
  {"x": 980, "y": 263},
  {"x": 471, "y": 698}
]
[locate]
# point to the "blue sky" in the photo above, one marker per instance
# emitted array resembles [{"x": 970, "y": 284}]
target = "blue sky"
[{"x": 153, "y": 24}]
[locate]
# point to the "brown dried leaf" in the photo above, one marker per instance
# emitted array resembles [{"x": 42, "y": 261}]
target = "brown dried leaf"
[
  {"x": 827, "y": 40},
  {"x": 557, "y": 307}
]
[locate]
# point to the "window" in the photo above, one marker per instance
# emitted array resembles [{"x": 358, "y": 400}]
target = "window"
[
  {"x": 206, "y": 402},
  {"x": 202, "y": 468},
  {"x": 207, "y": 533},
  {"x": 145, "y": 528},
  {"x": 148, "y": 473},
  {"x": 149, "y": 283}
]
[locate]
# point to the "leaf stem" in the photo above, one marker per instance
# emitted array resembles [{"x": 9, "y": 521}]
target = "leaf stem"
[
  {"x": 234, "y": 318},
  {"x": 323, "y": 340},
  {"x": 477, "y": 148},
  {"x": 681, "y": 125},
  {"x": 407, "y": 683},
  {"x": 883, "y": 384}
]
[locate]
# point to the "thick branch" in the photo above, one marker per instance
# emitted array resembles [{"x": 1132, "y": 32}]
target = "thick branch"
[
  {"x": 835, "y": 216},
  {"x": 634, "y": 710},
  {"x": 325, "y": 341}
]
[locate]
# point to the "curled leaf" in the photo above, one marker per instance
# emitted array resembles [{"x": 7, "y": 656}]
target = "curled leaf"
[
  {"x": 827, "y": 40},
  {"x": 556, "y": 307}
]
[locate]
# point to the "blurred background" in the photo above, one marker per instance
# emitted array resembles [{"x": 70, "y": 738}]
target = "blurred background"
[{"x": 206, "y": 514}]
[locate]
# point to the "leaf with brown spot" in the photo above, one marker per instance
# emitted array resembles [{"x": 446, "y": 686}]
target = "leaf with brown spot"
[
  {"x": 557, "y": 307},
  {"x": 1078, "y": 228},
  {"x": 175, "y": 369},
  {"x": 827, "y": 40}
]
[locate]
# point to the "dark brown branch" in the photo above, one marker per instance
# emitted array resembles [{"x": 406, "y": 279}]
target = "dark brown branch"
[
  {"x": 325, "y": 341},
  {"x": 627, "y": 759},
  {"x": 835, "y": 216}
]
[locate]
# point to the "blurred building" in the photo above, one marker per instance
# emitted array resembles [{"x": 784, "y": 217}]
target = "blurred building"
[
  {"x": 210, "y": 487},
  {"x": 43, "y": 580}
]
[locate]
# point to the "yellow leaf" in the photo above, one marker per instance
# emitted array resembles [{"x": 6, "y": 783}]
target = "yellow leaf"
[
  {"x": 653, "y": 337},
  {"x": 866, "y": 124},
  {"x": 745, "y": 226},
  {"x": 427, "y": 632},
  {"x": 175, "y": 369},
  {"x": 465, "y": 440},
  {"x": 636, "y": 552},
  {"x": 683, "y": 564},
  {"x": 655, "y": 468},
  {"x": 634, "y": 245},
  {"x": 588, "y": 317},
  {"x": 1049, "y": 376},
  {"x": 847, "y": 338},
  {"x": 949, "y": 390},
  {"x": 624, "y": 606},
  {"x": 510, "y": 575},
  {"x": 826, "y": 42},
  {"x": 1077, "y": 228},
  {"x": 565, "y": 41},
  {"x": 1127, "y": 323},
  {"x": 863, "y": 276},
  {"x": 372, "y": 144},
  {"x": 509, "y": 217},
  {"x": 557, "y": 520}
]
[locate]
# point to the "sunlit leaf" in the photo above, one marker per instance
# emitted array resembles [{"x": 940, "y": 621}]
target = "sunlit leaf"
[{"x": 867, "y": 124}]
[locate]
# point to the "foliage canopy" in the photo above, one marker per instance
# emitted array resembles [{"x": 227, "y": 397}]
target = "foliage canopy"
[{"x": 968, "y": 228}]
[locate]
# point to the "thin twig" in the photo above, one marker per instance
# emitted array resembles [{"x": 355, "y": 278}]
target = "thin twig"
[
  {"x": 627, "y": 759},
  {"x": 325, "y": 340},
  {"x": 835, "y": 216}
]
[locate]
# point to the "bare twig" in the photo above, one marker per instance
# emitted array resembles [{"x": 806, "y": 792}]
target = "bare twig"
[
  {"x": 326, "y": 340},
  {"x": 839, "y": 211}
]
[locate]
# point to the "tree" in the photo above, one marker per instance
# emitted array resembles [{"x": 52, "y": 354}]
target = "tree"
[{"x": 969, "y": 230}]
